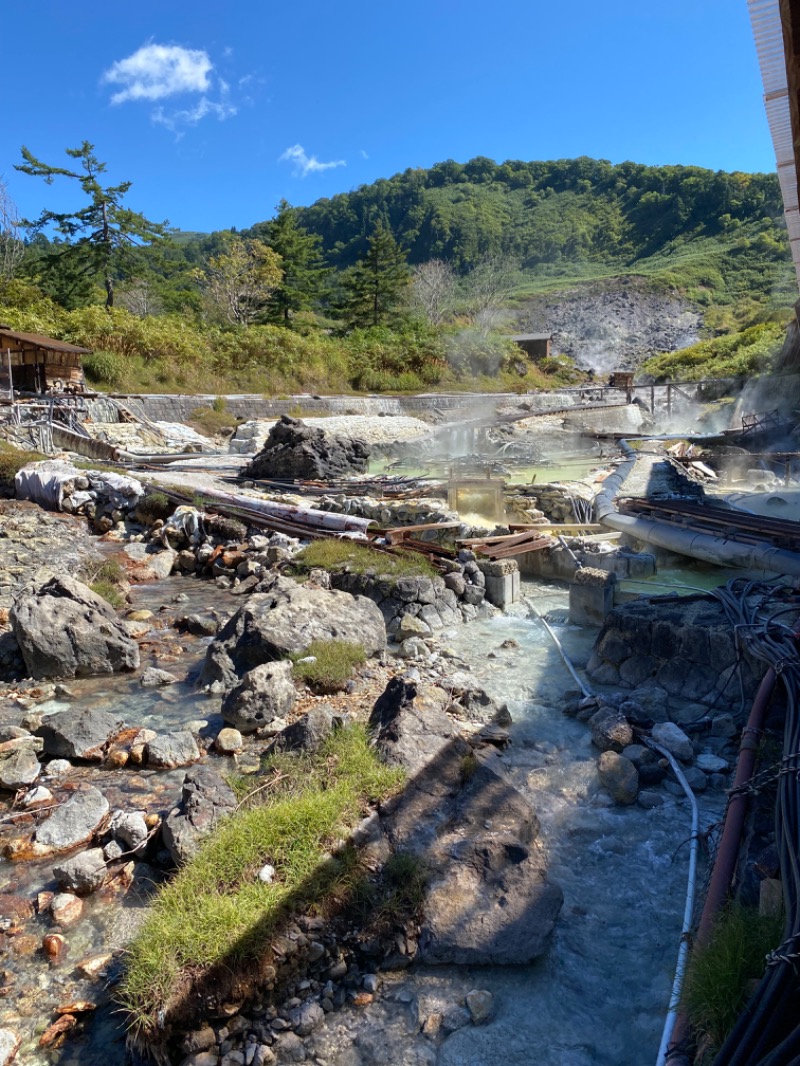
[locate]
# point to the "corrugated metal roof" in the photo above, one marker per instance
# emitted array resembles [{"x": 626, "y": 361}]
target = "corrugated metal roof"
[
  {"x": 531, "y": 337},
  {"x": 765, "y": 18},
  {"x": 49, "y": 343}
]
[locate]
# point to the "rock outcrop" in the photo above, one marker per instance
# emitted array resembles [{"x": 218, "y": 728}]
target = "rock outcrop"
[
  {"x": 205, "y": 799},
  {"x": 265, "y": 693},
  {"x": 275, "y": 624},
  {"x": 64, "y": 629},
  {"x": 488, "y": 899},
  {"x": 296, "y": 451}
]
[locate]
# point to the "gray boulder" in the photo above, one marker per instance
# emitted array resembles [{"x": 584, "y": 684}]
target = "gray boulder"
[
  {"x": 619, "y": 778},
  {"x": 307, "y": 733},
  {"x": 265, "y": 693},
  {"x": 79, "y": 734},
  {"x": 673, "y": 738},
  {"x": 488, "y": 852},
  {"x": 20, "y": 768},
  {"x": 83, "y": 873},
  {"x": 296, "y": 451},
  {"x": 610, "y": 730},
  {"x": 64, "y": 629},
  {"x": 129, "y": 827},
  {"x": 152, "y": 677},
  {"x": 410, "y": 726},
  {"x": 205, "y": 799},
  {"x": 74, "y": 823},
  {"x": 284, "y": 621},
  {"x": 170, "y": 750}
]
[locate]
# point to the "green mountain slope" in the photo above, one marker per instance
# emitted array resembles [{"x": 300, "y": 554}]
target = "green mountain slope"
[{"x": 718, "y": 237}]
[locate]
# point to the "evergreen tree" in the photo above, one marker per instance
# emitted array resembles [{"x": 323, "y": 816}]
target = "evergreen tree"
[
  {"x": 304, "y": 272},
  {"x": 375, "y": 288},
  {"x": 101, "y": 238}
]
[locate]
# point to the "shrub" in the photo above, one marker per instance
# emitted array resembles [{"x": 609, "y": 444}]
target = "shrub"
[
  {"x": 329, "y": 664},
  {"x": 719, "y": 974},
  {"x": 154, "y": 505},
  {"x": 104, "y": 368}
]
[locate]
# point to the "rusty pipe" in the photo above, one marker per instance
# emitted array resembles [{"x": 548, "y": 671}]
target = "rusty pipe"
[{"x": 728, "y": 850}]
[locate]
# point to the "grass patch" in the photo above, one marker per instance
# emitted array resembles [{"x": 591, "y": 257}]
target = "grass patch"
[
  {"x": 12, "y": 460},
  {"x": 719, "y": 974},
  {"x": 216, "y": 913},
  {"x": 154, "y": 505},
  {"x": 336, "y": 554},
  {"x": 214, "y": 419},
  {"x": 330, "y": 664},
  {"x": 106, "y": 578}
]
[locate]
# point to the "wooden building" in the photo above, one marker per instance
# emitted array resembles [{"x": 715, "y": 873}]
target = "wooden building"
[
  {"x": 535, "y": 345},
  {"x": 32, "y": 363}
]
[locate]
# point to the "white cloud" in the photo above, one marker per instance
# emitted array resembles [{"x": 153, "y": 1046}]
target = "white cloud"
[
  {"x": 303, "y": 164},
  {"x": 157, "y": 71},
  {"x": 190, "y": 116},
  {"x": 363, "y": 154}
]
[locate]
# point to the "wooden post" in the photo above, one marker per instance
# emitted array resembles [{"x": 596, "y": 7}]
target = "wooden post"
[
  {"x": 669, "y": 401},
  {"x": 10, "y": 376},
  {"x": 652, "y": 399}
]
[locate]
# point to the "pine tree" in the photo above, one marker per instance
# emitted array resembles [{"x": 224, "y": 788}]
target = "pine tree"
[
  {"x": 375, "y": 288},
  {"x": 101, "y": 238},
  {"x": 304, "y": 272}
]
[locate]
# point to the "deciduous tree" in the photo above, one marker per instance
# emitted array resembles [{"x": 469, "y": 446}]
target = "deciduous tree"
[
  {"x": 240, "y": 281},
  {"x": 433, "y": 290}
]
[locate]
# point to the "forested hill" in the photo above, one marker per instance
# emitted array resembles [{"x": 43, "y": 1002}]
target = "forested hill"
[{"x": 541, "y": 214}]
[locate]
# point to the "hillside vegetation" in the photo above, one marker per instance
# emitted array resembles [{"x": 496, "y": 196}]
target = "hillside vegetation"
[{"x": 411, "y": 283}]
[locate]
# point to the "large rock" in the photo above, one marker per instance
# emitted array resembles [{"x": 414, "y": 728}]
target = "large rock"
[
  {"x": 79, "y": 734},
  {"x": 265, "y": 693},
  {"x": 294, "y": 450},
  {"x": 74, "y": 823},
  {"x": 65, "y": 630},
  {"x": 489, "y": 901},
  {"x": 619, "y": 777},
  {"x": 673, "y": 738},
  {"x": 410, "y": 727},
  {"x": 170, "y": 750},
  {"x": 205, "y": 799},
  {"x": 308, "y": 733},
  {"x": 285, "y": 620},
  {"x": 82, "y": 873}
]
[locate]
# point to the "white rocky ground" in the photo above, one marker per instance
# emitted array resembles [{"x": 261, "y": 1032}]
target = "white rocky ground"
[{"x": 374, "y": 429}]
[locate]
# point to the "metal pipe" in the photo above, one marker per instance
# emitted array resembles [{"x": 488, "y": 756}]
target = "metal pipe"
[
  {"x": 688, "y": 910},
  {"x": 563, "y": 654},
  {"x": 287, "y": 512},
  {"x": 703, "y": 546}
]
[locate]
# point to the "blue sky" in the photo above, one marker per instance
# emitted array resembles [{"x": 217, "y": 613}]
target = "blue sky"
[{"x": 215, "y": 111}]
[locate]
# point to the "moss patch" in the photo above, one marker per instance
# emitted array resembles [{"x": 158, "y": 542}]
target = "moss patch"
[{"x": 335, "y": 554}]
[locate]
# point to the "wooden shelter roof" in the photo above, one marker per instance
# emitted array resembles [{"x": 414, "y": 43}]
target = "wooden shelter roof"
[{"x": 16, "y": 341}]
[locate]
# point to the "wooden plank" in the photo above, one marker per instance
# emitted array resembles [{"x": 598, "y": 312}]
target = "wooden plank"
[{"x": 399, "y": 533}]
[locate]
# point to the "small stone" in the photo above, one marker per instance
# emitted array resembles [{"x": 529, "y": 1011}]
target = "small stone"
[
  {"x": 649, "y": 800},
  {"x": 113, "y": 851},
  {"x": 66, "y": 908},
  {"x": 454, "y": 1018},
  {"x": 54, "y": 945},
  {"x": 267, "y": 874},
  {"x": 94, "y": 966},
  {"x": 129, "y": 827},
  {"x": 480, "y": 1005},
  {"x": 370, "y": 983},
  {"x": 291, "y": 1048},
  {"x": 228, "y": 741},
  {"x": 155, "y": 678},
  {"x": 199, "y": 1040},
  {"x": 711, "y": 764},
  {"x": 338, "y": 970},
  {"x": 723, "y": 725},
  {"x": 306, "y": 1018},
  {"x": 432, "y": 1025},
  {"x": 20, "y": 768},
  {"x": 170, "y": 750},
  {"x": 58, "y": 767},
  {"x": 619, "y": 777},
  {"x": 35, "y": 797}
]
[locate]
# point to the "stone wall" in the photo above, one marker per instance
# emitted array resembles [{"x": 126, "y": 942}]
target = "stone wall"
[{"x": 682, "y": 645}]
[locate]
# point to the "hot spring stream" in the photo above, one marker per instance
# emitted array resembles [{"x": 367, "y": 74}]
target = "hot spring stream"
[{"x": 597, "y": 998}]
